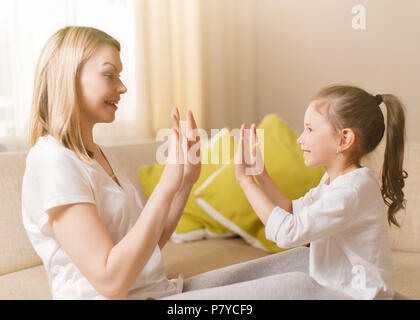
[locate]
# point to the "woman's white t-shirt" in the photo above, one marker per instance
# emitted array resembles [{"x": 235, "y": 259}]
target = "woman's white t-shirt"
[
  {"x": 345, "y": 223},
  {"x": 55, "y": 176}
]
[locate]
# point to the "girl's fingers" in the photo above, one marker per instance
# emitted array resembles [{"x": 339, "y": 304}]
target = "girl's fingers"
[
  {"x": 239, "y": 152},
  {"x": 246, "y": 147},
  {"x": 243, "y": 144},
  {"x": 254, "y": 140}
]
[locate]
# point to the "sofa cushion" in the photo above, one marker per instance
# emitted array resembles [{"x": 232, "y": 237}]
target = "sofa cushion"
[
  {"x": 27, "y": 284},
  {"x": 406, "y": 275},
  {"x": 15, "y": 248},
  {"x": 407, "y": 237}
]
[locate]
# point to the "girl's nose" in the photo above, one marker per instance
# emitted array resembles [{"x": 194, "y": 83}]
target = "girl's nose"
[{"x": 300, "y": 140}]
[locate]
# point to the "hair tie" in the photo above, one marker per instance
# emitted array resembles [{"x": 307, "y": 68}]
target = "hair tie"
[{"x": 379, "y": 99}]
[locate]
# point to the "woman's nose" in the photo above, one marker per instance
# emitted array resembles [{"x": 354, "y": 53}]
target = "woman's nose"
[{"x": 122, "y": 88}]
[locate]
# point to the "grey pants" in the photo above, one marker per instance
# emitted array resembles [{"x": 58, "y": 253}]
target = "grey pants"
[{"x": 282, "y": 275}]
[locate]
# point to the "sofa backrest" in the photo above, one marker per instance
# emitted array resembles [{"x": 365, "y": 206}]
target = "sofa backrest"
[{"x": 16, "y": 252}]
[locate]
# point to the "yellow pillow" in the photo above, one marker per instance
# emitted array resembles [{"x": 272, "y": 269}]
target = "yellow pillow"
[
  {"x": 223, "y": 199},
  {"x": 195, "y": 223}
]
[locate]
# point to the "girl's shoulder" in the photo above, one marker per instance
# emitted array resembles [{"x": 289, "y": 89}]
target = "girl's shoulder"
[{"x": 362, "y": 180}]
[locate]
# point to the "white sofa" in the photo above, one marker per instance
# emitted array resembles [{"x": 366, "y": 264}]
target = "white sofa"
[{"x": 22, "y": 275}]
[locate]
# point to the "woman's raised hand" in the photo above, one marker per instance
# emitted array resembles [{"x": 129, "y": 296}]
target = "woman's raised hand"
[
  {"x": 190, "y": 147},
  {"x": 173, "y": 173}
]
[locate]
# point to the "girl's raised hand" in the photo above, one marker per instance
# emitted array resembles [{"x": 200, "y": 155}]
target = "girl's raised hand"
[
  {"x": 248, "y": 163},
  {"x": 240, "y": 163},
  {"x": 257, "y": 164}
]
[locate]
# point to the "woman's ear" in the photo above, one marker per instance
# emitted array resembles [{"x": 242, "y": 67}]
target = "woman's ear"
[{"x": 348, "y": 139}]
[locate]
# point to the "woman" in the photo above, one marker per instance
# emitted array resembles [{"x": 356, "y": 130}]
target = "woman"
[{"x": 82, "y": 214}]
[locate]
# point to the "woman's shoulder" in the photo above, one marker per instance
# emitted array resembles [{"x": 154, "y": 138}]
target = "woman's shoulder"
[{"x": 47, "y": 149}]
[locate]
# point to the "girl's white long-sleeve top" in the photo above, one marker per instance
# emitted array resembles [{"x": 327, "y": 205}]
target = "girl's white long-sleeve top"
[{"x": 346, "y": 225}]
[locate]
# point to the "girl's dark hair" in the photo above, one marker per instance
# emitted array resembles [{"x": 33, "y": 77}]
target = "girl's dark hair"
[{"x": 354, "y": 108}]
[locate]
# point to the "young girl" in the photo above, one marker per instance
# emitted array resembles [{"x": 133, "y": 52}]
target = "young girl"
[
  {"x": 81, "y": 213},
  {"x": 344, "y": 217}
]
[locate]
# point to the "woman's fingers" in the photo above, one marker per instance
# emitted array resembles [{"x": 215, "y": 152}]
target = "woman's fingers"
[
  {"x": 173, "y": 147},
  {"x": 175, "y": 117},
  {"x": 192, "y": 134}
]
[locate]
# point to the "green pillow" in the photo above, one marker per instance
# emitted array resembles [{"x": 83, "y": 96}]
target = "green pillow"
[
  {"x": 223, "y": 199},
  {"x": 195, "y": 223}
]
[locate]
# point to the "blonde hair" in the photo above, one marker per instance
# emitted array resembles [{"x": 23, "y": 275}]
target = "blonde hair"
[
  {"x": 55, "y": 107},
  {"x": 353, "y": 107}
]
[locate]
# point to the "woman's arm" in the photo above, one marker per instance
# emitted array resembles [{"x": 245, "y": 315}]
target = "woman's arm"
[
  {"x": 192, "y": 169},
  {"x": 177, "y": 207},
  {"x": 112, "y": 268}
]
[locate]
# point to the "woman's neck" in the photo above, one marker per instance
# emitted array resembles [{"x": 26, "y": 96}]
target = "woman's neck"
[{"x": 87, "y": 137}]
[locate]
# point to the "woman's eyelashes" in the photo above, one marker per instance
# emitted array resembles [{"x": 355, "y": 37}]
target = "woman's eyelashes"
[{"x": 112, "y": 76}]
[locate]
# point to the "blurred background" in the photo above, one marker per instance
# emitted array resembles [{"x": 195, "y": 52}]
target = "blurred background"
[{"x": 229, "y": 61}]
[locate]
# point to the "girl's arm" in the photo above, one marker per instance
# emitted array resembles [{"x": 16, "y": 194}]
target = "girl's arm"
[
  {"x": 262, "y": 204},
  {"x": 258, "y": 199},
  {"x": 243, "y": 171},
  {"x": 268, "y": 185}
]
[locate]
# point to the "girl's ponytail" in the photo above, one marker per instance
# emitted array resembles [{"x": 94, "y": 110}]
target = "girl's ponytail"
[{"x": 393, "y": 174}]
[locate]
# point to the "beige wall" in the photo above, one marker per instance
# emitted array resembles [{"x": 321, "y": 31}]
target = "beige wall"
[{"x": 305, "y": 45}]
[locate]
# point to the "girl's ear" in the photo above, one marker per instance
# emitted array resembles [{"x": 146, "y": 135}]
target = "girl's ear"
[{"x": 348, "y": 139}]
